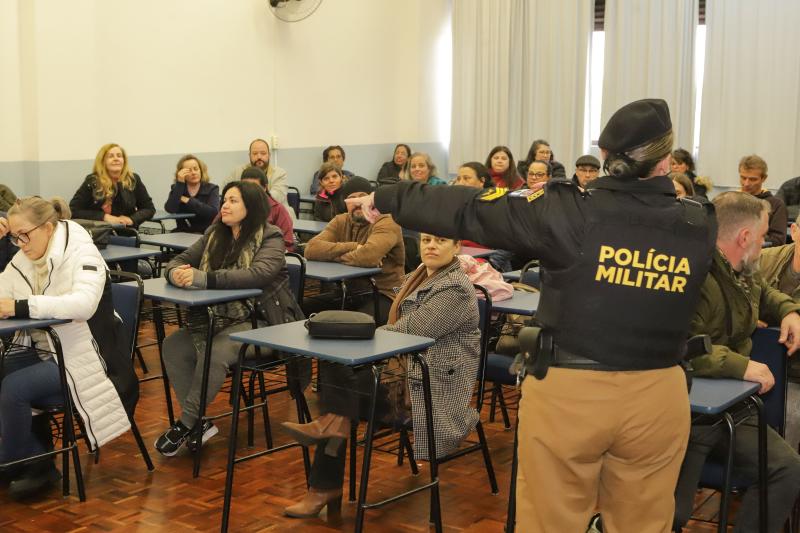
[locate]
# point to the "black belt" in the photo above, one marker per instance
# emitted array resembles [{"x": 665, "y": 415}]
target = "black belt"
[{"x": 565, "y": 359}]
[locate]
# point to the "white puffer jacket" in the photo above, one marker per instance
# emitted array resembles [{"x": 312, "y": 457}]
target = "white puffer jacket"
[{"x": 73, "y": 290}]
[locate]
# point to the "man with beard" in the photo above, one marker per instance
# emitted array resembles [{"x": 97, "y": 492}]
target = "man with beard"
[
  {"x": 278, "y": 181},
  {"x": 350, "y": 239},
  {"x": 733, "y": 297}
]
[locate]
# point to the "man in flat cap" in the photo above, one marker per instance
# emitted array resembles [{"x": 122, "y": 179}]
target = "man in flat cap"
[
  {"x": 587, "y": 168},
  {"x": 604, "y": 418}
]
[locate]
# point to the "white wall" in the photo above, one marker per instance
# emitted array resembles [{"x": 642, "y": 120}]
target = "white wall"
[{"x": 207, "y": 76}]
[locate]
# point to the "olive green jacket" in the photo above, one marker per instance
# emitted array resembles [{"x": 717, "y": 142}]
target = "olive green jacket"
[
  {"x": 773, "y": 264},
  {"x": 728, "y": 312}
]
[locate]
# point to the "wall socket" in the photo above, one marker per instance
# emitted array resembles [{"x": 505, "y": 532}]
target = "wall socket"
[{"x": 273, "y": 141}]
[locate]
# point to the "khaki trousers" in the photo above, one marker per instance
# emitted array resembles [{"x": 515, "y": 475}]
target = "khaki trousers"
[{"x": 612, "y": 441}]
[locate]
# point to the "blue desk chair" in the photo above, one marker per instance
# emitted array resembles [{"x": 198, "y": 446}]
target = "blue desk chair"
[
  {"x": 120, "y": 296},
  {"x": 130, "y": 237},
  {"x": 127, "y": 304},
  {"x": 131, "y": 241},
  {"x": 767, "y": 350},
  {"x": 293, "y": 199},
  {"x": 296, "y": 266}
]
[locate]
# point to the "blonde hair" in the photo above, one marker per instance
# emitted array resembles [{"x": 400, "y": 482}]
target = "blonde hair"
[
  {"x": 38, "y": 211},
  {"x": 104, "y": 186},
  {"x": 640, "y": 161},
  {"x": 204, "y": 177},
  {"x": 428, "y": 161},
  {"x": 684, "y": 180}
]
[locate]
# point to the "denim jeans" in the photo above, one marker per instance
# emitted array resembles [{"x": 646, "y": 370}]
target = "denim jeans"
[{"x": 27, "y": 382}]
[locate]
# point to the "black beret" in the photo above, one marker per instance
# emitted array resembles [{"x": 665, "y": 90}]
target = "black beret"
[
  {"x": 356, "y": 184},
  {"x": 635, "y": 124}
]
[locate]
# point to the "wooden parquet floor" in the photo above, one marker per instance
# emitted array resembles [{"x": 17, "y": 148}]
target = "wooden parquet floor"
[{"x": 123, "y": 497}]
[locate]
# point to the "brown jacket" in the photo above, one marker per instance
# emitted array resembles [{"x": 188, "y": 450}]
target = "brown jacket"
[{"x": 363, "y": 245}]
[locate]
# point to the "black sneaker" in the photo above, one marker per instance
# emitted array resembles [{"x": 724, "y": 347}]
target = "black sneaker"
[
  {"x": 595, "y": 524},
  {"x": 173, "y": 439},
  {"x": 209, "y": 430}
]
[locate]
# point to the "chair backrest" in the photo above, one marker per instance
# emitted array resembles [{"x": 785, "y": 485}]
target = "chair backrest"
[
  {"x": 131, "y": 240},
  {"x": 127, "y": 304},
  {"x": 767, "y": 350},
  {"x": 293, "y": 199},
  {"x": 484, "y": 321},
  {"x": 530, "y": 274},
  {"x": 296, "y": 264}
]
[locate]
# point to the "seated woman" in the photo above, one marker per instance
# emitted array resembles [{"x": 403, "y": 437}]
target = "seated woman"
[
  {"x": 239, "y": 251},
  {"x": 395, "y": 170},
  {"x": 193, "y": 193},
  {"x": 329, "y": 202},
  {"x": 683, "y": 162},
  {"x": 7, "y": 198},
  {"x": 474, "y": 174},
  {"x": 437, "y": 300},
  {"x": 334, "y": 155},
  {"x": 112, "y": 192},
  {"x": 477, "y": 176},
  {"x": 422, "y": 169},
  {"x": 500, "y": 163},
  {"x": 540, "y": 151},
  {"x": 58, "y": 273},
  {"x": 539, "y": 173},
  {"x": 682, "y": 183}
]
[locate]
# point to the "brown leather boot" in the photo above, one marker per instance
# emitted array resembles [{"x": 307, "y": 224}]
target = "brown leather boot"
[
  {"x": 313, "y": 502},
  {"x": 330, "y": 427}
]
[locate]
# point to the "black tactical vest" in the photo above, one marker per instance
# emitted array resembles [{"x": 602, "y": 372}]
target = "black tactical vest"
[{"x": 628, "y": 300}]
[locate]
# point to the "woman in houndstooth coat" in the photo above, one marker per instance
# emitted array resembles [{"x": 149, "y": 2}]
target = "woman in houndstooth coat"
[{"x": 438, "y": 300}]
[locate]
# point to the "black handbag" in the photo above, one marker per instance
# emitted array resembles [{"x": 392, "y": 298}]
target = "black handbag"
[
  {"x": 341, "y": 325},
  {"x": 100, "y": 231}
]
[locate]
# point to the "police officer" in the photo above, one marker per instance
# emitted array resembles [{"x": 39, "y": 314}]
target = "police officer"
[{"x": 604, "y": 421}]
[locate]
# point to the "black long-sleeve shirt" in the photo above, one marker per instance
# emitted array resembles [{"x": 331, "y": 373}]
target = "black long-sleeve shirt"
[
  {"x": 135, "y": 203},
  {"x": 204, "y": 205}
]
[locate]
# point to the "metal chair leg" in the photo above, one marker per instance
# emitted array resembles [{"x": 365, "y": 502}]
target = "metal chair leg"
[
  {"x": 353, "y": 448},
  {"x": 265, "y": 410},
  {"x": 226, "y": 502},
  {"x": 140, "y": 443},
  {"x": 362, "y": 490},
  {"x": 487, "y": 459},
  {"x": 503, "y": 407}
]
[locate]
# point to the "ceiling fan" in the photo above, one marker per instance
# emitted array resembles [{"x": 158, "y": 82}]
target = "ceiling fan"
[{"x": 293, "y": 10}]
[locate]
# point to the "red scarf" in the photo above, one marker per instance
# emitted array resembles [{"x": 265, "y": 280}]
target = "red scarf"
[{"x": 499, "y": 181}]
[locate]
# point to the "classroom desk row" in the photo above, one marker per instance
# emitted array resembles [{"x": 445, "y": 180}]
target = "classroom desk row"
[
  {"x": 318, "y": 270},
  {"x": 707, "y": 396}
]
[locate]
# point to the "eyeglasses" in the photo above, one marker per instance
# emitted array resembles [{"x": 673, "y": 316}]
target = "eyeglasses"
[
  {"x": 22, "y": 237},
  {"x": 537, "y": 174}
]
